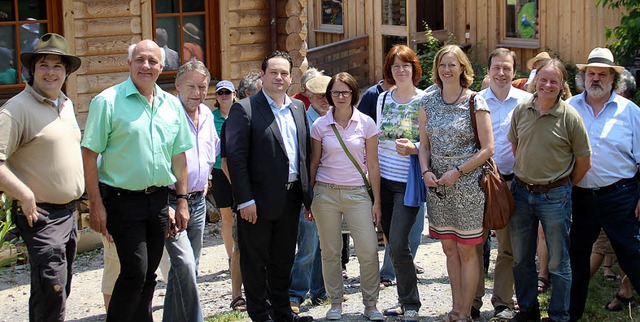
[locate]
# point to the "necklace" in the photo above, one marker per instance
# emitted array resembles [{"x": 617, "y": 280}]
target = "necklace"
[{"x": 455, "y": 100}]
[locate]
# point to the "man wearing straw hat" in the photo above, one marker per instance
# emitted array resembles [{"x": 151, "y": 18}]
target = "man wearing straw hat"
[
  {"x": 41, "y": 167},
  {"x": 607, "y": 197}
]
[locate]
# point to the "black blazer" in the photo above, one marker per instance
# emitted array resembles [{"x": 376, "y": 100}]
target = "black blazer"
[{"x": 256, "y": 156}]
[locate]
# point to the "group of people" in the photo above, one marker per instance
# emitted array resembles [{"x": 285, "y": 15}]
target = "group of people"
[{"x": 147, "y": 160}]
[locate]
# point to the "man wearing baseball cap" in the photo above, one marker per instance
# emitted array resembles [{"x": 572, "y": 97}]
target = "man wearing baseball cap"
[
  {"x": 607, "y": 196},
  {"x": 41, "y": 168}
]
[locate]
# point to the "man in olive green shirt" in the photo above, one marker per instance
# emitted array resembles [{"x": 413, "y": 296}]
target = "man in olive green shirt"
[
  {"x": 552, "y": 153},
  {"x": 141, "y": 133}
]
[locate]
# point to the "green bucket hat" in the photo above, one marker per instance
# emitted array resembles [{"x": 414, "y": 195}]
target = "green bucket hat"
[{"x": 52, "y": 44}]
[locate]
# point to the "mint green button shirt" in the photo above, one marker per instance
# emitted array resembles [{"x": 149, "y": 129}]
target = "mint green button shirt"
[{"x": 136, "y": 142}]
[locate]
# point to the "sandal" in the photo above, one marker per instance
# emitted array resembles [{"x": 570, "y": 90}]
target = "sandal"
[
  {"x": 451, "y": 317},
  {"x": 543, "y": 284},
  {"x": 239, "y": 304},
  {"x": 386, "y": 282},
  {"x": 464, "y": 319},
  {"x": 419, "y": 270},
  {"x": 622, "y": 303}
]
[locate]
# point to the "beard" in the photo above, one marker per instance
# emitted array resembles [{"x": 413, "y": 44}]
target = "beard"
[{"x": 599, "y": 91}]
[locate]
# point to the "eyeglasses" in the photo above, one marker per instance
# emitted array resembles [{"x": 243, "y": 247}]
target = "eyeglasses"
[
  {"x": 344, "y": 94},
  {"x": 441, "y": 194},
  {"x": 403, "y": 66},
  {"x": 223, "y": 92}
]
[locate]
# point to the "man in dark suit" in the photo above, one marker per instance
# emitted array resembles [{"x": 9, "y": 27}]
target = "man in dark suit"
[{"x": 267, "y": 145}]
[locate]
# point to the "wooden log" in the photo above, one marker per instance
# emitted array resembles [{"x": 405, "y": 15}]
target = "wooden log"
[
  {"x": 294, "y": 42},
  {"x": 105, "y": 45},
  {"x": 97, "y": 83},
  {"x": 83, "y": 101},
  {"x": 238, "y": 70},
  {"x": 87, "y": 9},
  {"x": 294, "y": 8},
  {"x": 114, "y": 26},
  {"x": 293, "y": 25},
  {"x": 103, "y": 64},
  {"x": 245, "y": 53},
  {"x": 81, "y": 118},
  {"x": 296, "y": 57},
  {"x": 241, "y": 5},
  {"x": 248, "y": 18},
  {"x": 244, "y": 36}
]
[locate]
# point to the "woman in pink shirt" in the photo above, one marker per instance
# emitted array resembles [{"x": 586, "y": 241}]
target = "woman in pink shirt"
[{"x": 339, "y": 190}]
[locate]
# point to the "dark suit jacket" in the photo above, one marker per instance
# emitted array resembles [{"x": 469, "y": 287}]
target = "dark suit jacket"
[{"x": 256, "y": 156}]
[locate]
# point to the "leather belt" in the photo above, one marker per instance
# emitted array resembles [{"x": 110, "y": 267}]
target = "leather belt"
[
  {"x": 542, "y": 188},
  {"x": 290, "y": 185},
  {"x": 606, "y": 189},
  {"x": 190, "y": 195},
  {"x": 146, "y": 191},
  {"x": 335, "y": 186},
  {"x": 52, "y": 206}
]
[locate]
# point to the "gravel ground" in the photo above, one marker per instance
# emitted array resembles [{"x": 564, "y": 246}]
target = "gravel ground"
[{"x": 86, "y": 303}]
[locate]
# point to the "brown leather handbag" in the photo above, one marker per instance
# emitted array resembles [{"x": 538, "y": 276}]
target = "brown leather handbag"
[{"x": 498, "y": 200}]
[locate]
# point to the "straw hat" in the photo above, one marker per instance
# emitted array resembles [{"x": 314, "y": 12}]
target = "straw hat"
[
  {"x": 318, "y": 84},
  {"x": 540, "y": 56},
  {"x": 600, "y": 57},
  {"x": 191, "y": 30},
  {"x": 52, "y": 44}
]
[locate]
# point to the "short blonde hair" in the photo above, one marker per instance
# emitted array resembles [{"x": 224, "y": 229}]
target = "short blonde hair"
[{"x": 466, "y": 78}]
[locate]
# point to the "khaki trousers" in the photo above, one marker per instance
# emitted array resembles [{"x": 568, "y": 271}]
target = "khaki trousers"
[
  {"x": 330, "y": 203},
  {"x": 503, "y": 274}
]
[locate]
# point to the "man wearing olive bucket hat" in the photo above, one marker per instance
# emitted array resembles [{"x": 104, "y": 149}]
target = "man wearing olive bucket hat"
[
  {"x": 607, "y": 196},
  {"x": 41, "y": 167}
]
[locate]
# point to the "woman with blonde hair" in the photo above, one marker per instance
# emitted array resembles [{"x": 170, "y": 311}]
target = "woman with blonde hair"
[{"x": 450, "y": 163}]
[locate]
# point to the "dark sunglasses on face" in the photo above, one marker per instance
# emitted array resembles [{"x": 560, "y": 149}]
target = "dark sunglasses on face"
[{"x": 224, "y": 92}]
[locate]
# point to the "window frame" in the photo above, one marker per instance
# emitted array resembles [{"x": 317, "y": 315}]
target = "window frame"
[
  {"x": 54, "y": 23},
  {"x": 330, "y": 28},
  {"x": 515, "y": 42},
  {"x": 211, "y": 41}
]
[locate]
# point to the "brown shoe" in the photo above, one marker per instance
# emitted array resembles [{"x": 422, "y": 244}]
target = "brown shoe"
[{"x": 295, "y": 307}]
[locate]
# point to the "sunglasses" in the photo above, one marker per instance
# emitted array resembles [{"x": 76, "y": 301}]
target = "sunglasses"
[
  {"x": 225, "y": 92},
  {"x": 441, "y": 194}
]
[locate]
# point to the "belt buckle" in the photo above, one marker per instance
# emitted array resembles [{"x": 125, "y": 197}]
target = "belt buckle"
[{"x": 288, "y": 185}]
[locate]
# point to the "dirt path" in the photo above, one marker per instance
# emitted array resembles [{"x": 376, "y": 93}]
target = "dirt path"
[{"x": 86, "y": 303}]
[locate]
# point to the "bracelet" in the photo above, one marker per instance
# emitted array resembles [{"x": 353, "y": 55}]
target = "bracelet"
[
  {"x": 185, "y": 196},
  {"x": 459, "y": 170},
  {"x": 425, "y": 171}
]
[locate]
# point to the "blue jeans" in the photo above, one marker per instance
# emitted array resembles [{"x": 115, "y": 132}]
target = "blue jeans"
[
  {"x": 553, "y": 210},
  {"x": 614, "y": 211},
  {"x": 306, "y": 274},
  {"x": 397, "y": 220},
  {"x": 181, "y": 302},
  {"x": 415, "y": 237}
]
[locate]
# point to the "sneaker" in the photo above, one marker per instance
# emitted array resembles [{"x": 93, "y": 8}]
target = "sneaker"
[
  {"x": 503, "y": 313},
  {"x": 410, "y": 315},
  {"x": 373, "y": 315},
  {"x": 334, "y": 314},
  {"x": 475, "y": 313},
  {"x": 523, "y": 316},
  {"x": 295, "y": 307}
]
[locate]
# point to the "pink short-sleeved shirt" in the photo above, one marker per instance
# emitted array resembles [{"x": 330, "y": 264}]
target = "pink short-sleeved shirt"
[{"x": 335, "y": 167}]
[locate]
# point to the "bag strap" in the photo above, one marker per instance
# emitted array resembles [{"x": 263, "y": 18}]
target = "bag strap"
[
  {"x": 474, "y": 125},
  {"x": 353, "y": 160}
]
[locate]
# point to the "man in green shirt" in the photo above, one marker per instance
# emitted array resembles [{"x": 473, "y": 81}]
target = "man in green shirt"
[{"x": 142, "y": 134}]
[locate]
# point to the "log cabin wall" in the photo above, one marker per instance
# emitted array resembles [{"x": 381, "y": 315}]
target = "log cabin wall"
[{"x": 569, "y": 28}]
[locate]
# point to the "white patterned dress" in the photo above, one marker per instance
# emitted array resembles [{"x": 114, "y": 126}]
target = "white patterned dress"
[{"x": 458, "y": 212}]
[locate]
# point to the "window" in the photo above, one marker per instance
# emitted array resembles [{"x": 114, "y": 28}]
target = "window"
[
  {"x": 430, "y": 12},
  {"x": 520, "y": 23},
  {"x": 329, "y": 15},
  {"x": 393, "y": 12},
  {"x": 22, "y": 22},
  {"x": 185, "y": 29}
]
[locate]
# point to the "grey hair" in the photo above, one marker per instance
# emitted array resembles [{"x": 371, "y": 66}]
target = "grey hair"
[
  {"x": 309, "y": 74},
  {"x": 251, "y": 83},
  {"x": 628, "y": 88},
  {"x": 132, "y": 47},
  {"x": 193, "y": 65},
  {"x": 618, "y": 83}
]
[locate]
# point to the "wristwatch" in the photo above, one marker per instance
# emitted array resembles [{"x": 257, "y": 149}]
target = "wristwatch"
[{"x": 185, "y": 196}]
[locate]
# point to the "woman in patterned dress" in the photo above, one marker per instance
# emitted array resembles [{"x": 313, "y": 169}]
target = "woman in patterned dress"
[{"x": 450, "y": 163}]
